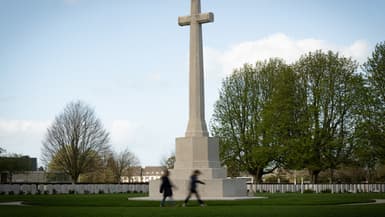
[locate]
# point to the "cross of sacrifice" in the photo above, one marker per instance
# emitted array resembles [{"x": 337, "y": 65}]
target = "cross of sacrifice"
[{"x": 197, "y": 123}]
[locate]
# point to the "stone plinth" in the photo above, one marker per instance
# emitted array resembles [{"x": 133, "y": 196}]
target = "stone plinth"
[
  {"x": 213, "y": 189},
  {"x": 198, "y": 153}
]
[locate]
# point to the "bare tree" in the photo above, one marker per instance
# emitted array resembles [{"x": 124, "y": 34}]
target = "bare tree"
[
  {"x": 121, "y": 162},
  {"x": 75, "y": 140},
  {"x": 168, "y": 162}
]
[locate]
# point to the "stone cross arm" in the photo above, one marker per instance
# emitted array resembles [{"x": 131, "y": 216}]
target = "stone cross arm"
[{"x": 198, "y": 18}]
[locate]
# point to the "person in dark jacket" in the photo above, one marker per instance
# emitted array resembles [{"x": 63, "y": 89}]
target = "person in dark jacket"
[
  {"x": 166, "y": 188},
  {"x": 193, "y": 188}
]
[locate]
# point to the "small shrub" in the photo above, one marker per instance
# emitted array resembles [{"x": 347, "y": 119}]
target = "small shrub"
[
  {"x": 327, "y": 191},
  {"x": 38, "y": 192},
  {"x": 308, "y": 191},
  {"x": 2, "y": 193},
  {"x": 21, "y": 192},
  {"x": 101, "y": 192},
  {"x": 54, "y": 191},
  {"x": 11, "y": 193},
  {"x": 87, "y": 192},
  {"x": 347, "y": 191},
  {"x": 71, "y": 192},
  {"x": 46, "y": 192}
]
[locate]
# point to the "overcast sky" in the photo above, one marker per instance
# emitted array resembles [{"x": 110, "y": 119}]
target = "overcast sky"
[{"x": 128, "y": 59}]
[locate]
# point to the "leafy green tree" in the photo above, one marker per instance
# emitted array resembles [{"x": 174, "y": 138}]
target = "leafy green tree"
[
  {"x": 375, "y": 121},
  {"x": 365, "y": 152},
  {"x": 284, "y": 119},
  {"x": 330, "y": 82},
  {"x": 75, "y": 140},
  {"x": 370, "y": 128},
  {"x": 238, "y": 119}
]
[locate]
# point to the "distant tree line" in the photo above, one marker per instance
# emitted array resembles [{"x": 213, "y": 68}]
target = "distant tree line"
[{"x": 322, "y": 113}]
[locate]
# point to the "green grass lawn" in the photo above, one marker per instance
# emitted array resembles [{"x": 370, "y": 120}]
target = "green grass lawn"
[{"x": 107, "y": 205}]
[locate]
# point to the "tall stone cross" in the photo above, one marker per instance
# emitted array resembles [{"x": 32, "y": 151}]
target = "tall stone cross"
[
  {"x": 197, "y": 150},
  {"x": 197, "y": 124}
]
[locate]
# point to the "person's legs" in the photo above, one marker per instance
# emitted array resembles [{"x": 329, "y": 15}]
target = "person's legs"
[
  {"x": 171, "y": 201},
  {"x": 199, "y": 198},
  {"x": 187, "y": 198},
  {"x": 163, "y": 201}
]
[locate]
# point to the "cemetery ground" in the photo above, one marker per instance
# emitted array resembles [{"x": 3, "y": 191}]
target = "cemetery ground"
[{"x": 111, "y": 205}]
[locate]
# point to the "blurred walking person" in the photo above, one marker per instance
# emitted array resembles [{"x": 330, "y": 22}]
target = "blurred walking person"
[
  {"x": 193, "y": 188},
  {"x": 166, "y": 188}
]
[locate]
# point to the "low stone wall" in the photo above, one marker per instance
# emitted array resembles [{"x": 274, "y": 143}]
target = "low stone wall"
[
  {"x": 73, "y": 188},
  {"x": 316, "y": 188}
]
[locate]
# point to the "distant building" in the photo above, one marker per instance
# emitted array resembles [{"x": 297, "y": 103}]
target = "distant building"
[
  {"x": 152, "y": 173},
  {"x": 10, "y": 166},
  {"x": 29, "y": 177},
  {"x": 281, "y": 175},
  {"x": 134, "y": 175},
  {"x": 146, "y": 174}
]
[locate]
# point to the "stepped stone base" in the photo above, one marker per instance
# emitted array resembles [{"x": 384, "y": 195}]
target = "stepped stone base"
[
  {"x": 214, "y": 188},
  {"x": 200, "y": 153}
]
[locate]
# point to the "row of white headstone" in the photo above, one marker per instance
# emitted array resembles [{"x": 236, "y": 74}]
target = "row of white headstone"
[
  {"x": 125, "y": 188},
  {"x": 317, "y": 188},
  {"x": 72, "y": 188}
]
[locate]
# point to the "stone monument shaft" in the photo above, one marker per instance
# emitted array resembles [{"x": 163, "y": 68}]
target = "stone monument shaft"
[
  {"x": 197, "y": 150},
  {"x": 197, "y": 124}
]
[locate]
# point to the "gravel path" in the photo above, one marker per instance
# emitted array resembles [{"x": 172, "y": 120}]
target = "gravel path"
[{"x": 376, "y": 201}]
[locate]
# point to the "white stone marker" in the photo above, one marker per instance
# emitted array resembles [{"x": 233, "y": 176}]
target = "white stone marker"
[{"x": 197, "y": 150}]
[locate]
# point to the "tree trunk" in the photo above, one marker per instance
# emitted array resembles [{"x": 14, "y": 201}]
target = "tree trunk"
[
  {"x": 331, "y": 178},
  {"x": 74, "y": 178},
  {"x": 314, "y": 176},
  {"x": 257, "y": 175},
  {"x": 10, "y": 177},
  {"x": 257, "y": 179}
]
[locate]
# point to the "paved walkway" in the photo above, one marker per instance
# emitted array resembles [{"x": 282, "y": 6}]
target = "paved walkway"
[
  {"x": 206, "y": 198},
  {"x": 14, "y": 203},
  {"x": 376, "y": 201}
]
